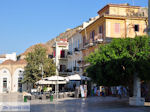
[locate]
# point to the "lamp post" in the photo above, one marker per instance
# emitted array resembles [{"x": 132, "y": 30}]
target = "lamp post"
[
  {"x": 57, "y": 73},
  {"x": 41, "y": 68}
]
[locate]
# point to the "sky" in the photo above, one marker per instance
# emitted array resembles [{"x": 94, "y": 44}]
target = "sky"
[{"x": 27, "y": 22}]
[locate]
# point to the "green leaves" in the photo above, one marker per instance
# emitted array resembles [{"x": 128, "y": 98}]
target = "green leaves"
[
  {"x": 34, "y": 59},
  {"x": 115, "y": 63}
]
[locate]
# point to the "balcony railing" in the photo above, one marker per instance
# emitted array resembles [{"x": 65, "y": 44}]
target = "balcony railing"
[
  {"x": 69, "y": 70},
  {"x": 62, "y": 57},
  {"x": 76, "y": 68},
  {"x": 69, "y": 53},
  {"x": 99, "y": 38},
  {"x": 76, "y": 50},
  {"x": 80, "y": 61},
  {"x": 81, "y": 46}
]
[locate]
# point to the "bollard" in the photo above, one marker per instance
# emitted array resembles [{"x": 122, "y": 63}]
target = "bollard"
[
  {"x": 25, "y": 98},
  {"x": 51, "y": 98}
]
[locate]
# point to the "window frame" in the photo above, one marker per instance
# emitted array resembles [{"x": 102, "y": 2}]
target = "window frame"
[
  {"x": 117, "y": 30},
  {"x": 138, "y": 28}
]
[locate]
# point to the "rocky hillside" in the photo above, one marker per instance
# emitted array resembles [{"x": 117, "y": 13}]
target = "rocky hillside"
[{"x": 48, "y": 45}]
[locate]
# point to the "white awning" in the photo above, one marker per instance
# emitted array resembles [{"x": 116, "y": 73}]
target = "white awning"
[
  {"x": 78, "y": 77},
  {"x": 55, "y": 78},
  {"x": 47, "y": 82}
]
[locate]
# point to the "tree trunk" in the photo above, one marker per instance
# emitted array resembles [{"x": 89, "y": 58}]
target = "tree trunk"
[{"x": 136, "y": 100}]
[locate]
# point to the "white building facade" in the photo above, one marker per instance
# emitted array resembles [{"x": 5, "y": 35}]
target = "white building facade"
[
  {"x": 5, "y": 57},
  {"x": 75, "y": 54},
  {"x": 60, "y": 50},
  {"x": 11, "y": 75}
]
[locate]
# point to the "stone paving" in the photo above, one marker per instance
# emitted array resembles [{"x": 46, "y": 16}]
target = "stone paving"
[{"x": 91, "y": 104}]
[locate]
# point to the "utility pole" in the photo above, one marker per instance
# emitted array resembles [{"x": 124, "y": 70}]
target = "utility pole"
[
  {"x": 41, "y": 67},
  {"x": 57, "y": 74}
]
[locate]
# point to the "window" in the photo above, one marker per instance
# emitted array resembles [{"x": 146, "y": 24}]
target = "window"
[
  {"x": 62, "y": 54},
  {"x": 107, "y": 12},
  {"x": 62, "y": 68},
  {"x": 117, "y": 27},
  {"x": 84, "y": 40},
  {"x": 4, "y": 71},
  {"x": 93, "y": 35},
  {"x": 101, "y": 29},
  {"x": 136, "y": 28},
  {"x": 20, "y": 84},
  {"x": 4, "y": 84},
  {"x": 143, "y": 14}
]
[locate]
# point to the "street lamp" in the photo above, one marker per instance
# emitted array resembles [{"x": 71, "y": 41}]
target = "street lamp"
[{"x": 41, "y": 68}]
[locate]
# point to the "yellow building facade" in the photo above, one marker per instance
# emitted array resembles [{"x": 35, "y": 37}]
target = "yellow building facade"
[{"x": 115, "y": 21}]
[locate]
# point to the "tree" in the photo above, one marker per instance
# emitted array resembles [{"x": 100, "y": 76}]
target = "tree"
[
  {"x": 34, "y": 59},
  {"x": 116, "y": 63}
]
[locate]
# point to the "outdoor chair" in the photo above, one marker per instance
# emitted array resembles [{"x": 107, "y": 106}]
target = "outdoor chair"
[
  {"x": 43, "y": 97},
  {"x": 60, "y": 95},
  {"x": 65, "y": 95},
  {"x": 32, "y": 97}
]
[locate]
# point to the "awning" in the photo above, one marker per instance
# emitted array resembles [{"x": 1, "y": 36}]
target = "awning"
[
  {"x": 52, "y": 80},
  {"x": 78, "y": 77},
  {"x": 55, "y": 78},
  {"x": 45, "y": 82}
]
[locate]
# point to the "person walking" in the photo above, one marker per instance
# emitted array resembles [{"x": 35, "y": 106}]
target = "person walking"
[
  {"x": 120, "y": 92},
  {"x": 103, "y": 91}
]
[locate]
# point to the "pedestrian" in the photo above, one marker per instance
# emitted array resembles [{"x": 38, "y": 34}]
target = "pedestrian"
[
  {"x": 103, "y": 91},
  {"x": 120, "y": 92},
  {"x": 95, "y": 90},
  {"x": 125, "y": 91},
  {"x": 74, "y": 86}
]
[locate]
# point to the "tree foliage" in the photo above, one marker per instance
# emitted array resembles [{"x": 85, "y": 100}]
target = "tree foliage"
[
  {"x": 34, "y": 59},
  {"x": 117, "y": 62}
]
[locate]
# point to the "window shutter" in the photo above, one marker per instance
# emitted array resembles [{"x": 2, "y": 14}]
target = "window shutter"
[{"x": 117, "y": 27}]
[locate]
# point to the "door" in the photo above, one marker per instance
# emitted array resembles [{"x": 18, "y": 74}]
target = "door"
[
  {"x": 4, "y": 84},
  {"x": 20, "y": 84}
]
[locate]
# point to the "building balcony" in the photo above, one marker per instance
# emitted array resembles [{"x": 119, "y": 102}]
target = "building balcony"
[
  {"x": 69, "y": 70},
  {"x": 99, "y": 38},
  {"x": 66, "y": 72},
  {"x": 63, "y": 72},
  {"x": 76, "y": 51},
  {"x": 63, "y": 58},
  {"x": 86, "y": 45},
  {"x": 92, "y": 42},
  {"x": 76, "y": 69},
  {"x": 81, "y": 46},
  {"x": 69, "y": 54},
  {"x": 80, "y": 61}
]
